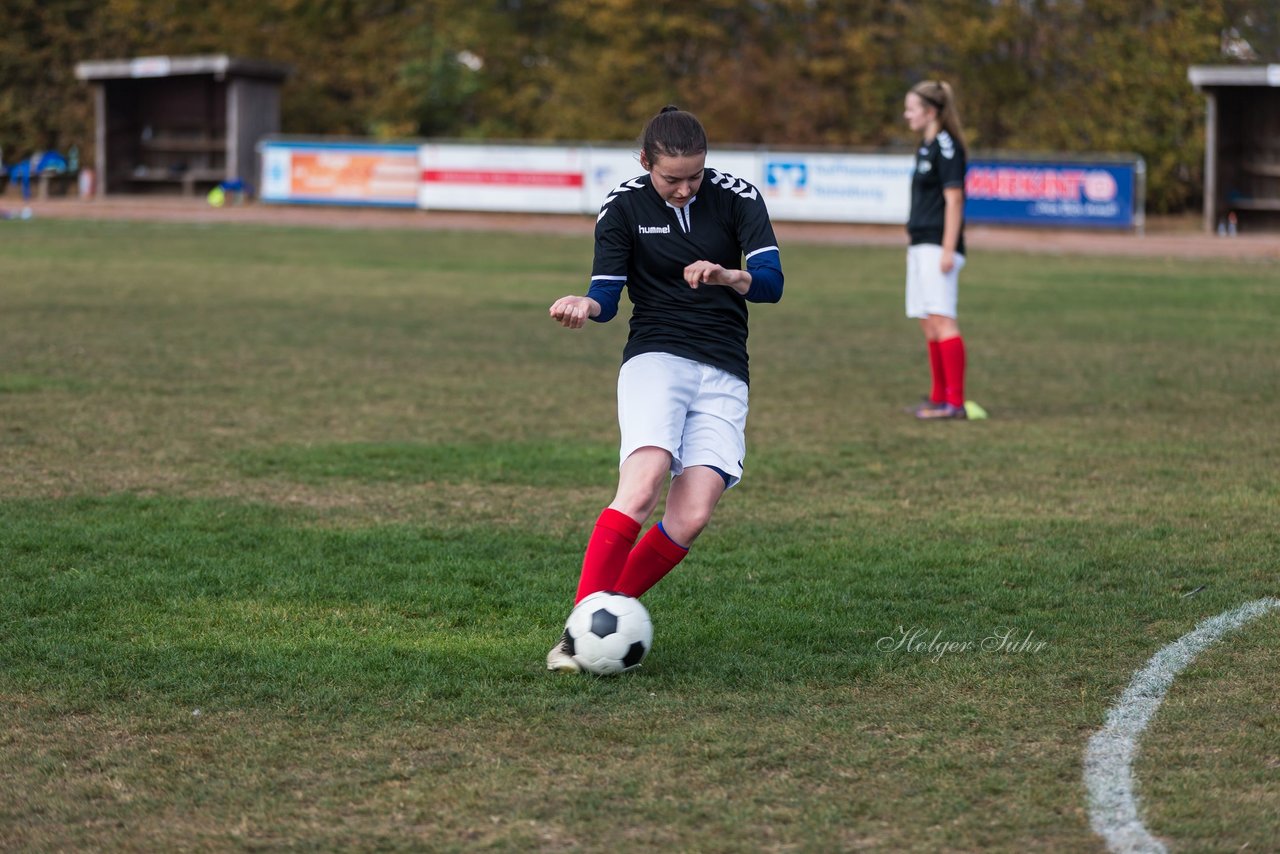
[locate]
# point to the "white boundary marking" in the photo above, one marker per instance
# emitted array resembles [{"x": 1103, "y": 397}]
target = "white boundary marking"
[{"x": 1108, "y": 773}]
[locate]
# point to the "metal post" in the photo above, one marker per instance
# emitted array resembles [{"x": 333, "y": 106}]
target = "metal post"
[{"x": 1210, "y": 161}]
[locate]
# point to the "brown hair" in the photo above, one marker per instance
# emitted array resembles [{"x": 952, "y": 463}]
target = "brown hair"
[
  {"x": 938, "y": 94},
  {"x": 672, "y": 133}
]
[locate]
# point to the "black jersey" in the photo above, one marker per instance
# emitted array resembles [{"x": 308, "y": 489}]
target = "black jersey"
[
  {"x": 939, "y": 164},
  {"x": 646, "y": 243}
]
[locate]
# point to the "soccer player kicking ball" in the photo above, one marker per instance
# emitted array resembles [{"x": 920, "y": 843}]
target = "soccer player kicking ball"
[
  {"x": 936, "y": 255},
  {"x": 676, "y": 238}
]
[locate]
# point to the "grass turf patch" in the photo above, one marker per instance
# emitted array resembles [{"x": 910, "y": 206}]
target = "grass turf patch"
[
  {"x": 330, "y": 490},
  {"x": 396, "y": 670},
  {"x": 534, "y": 464}
]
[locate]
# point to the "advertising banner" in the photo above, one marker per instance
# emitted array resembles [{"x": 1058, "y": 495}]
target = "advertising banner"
[
  {"x": 340, "y": 173},
  {"x": 1097, "y": 194},
  {"x": 837, "y": 187},
  {"x": 512, "y": 178},
  {"x": 798, "y": 186}
]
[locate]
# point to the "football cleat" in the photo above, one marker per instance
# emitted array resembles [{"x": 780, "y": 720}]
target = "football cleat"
[
  {"x": 925, "y": 403},
  {"x": 941, "y": 411},
  {"x": 560, "y": 659}
]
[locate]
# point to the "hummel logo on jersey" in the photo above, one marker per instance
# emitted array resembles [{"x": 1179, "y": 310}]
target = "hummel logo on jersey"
[
  {"x": 734, "y": 185},
  {"x": 655, "y": 229}
]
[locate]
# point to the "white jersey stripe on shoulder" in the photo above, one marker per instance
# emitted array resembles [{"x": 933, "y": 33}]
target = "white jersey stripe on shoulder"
[
  {"x": 624, "y": 187},
  {"x": 633, "y": 184},
  {"x": 734, "y": 184},
  {"x": 608, "y": 278},
  {"x": 946, "y": 144},
  {"x": 763, "y": 249}
]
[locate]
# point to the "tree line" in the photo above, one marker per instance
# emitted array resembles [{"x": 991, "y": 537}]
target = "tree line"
[{"x": 1069, "y": 76}]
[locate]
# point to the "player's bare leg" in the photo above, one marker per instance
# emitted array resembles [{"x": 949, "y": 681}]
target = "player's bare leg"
[
  {"x": 690, "y": 503},
  {"x": 640, "y": 480},
  {"x": 939, "y": 327}
]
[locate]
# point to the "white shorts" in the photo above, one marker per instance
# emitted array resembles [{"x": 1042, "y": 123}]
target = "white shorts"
[
  {"x": 696, "y": 412},
  {"x": 929, "y": 290}
]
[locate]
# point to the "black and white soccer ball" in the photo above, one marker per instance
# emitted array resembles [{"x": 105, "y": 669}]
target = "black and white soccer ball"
[{"x": 609, "y": 633}]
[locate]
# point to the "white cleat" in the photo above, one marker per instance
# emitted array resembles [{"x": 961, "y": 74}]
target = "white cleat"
[{"x": 560, "y": 659}]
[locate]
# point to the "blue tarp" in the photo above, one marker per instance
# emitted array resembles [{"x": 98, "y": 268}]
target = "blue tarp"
[{"x": 50, "y": 162}]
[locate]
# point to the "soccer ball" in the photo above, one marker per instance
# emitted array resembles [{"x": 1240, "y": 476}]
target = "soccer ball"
[{"x": 609, "y": 633}]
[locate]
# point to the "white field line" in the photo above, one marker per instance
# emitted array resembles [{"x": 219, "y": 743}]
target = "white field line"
[{"x": 1108, "y": 760}]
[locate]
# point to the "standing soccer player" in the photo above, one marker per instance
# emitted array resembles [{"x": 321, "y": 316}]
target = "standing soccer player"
[
  {"x": 676, "y": 239},
  {"x": 936, "y": 254}
]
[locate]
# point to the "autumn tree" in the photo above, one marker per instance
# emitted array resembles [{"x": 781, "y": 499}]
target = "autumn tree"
[{"x": 1032, "y": 75}]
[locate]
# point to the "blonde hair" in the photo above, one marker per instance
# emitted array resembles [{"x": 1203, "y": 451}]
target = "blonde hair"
[{"x": 938, "y": 94}]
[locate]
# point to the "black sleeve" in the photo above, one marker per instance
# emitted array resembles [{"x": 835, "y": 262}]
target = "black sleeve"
[{"x": 951, "y": 169}]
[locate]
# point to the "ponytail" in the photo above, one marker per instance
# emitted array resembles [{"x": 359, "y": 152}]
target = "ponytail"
[{"x": 938, "y": 94}]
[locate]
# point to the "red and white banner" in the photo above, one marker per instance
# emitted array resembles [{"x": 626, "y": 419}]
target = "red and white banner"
[{"x": 501, "y": 178}]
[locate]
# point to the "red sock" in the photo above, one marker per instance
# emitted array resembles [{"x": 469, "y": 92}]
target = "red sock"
[
  {"x": 607, "y": 552},
  {"x": 953, "y": 366},
  {"x": 653, "y": 557},
  {"x": 939, "y": 392}
]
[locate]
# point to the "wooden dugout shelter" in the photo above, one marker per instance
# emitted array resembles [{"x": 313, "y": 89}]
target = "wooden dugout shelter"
[
  {"x": 182, "y": 123},
  {"x": 1242, "y": 144}
]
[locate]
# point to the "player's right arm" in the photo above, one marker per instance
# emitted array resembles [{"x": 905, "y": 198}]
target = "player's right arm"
[
  {"x": 614, "y": 247},
  {"x": 608, "y": 276}
]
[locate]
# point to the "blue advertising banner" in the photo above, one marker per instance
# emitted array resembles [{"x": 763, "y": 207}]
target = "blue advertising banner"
[{"x": 1099, "y": 195}]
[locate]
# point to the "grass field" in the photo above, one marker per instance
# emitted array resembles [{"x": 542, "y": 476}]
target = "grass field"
[{"x": 289, "y": 518}]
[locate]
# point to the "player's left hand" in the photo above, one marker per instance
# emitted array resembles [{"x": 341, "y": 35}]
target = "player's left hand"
[
  {"x": 948, "y": 262},
  {"x": 572, "y": 312},
  {"x": 710, "y": 273}
]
